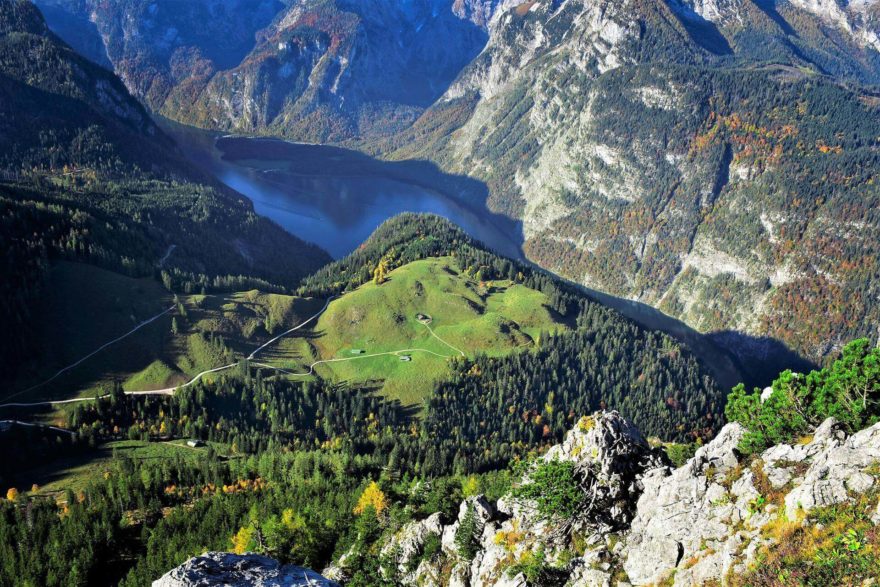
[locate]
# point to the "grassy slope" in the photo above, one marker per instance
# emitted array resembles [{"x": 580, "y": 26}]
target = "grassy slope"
[
  {"x": 85, "y": 307},
  {"x": 494, "y": 319}
]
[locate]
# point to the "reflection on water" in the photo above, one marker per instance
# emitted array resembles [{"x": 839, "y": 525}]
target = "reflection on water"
[{"x": 333, "y": 197}]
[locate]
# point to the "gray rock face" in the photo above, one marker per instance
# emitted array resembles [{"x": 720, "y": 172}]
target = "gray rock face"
[
  {"x": 234, "y": 570},
  {"x": 710, "y": 514},
  {"x": 610, "y": 453},
  {"x": 836, "y": 471},
  {"x": 691, "y": 526},
  {"x": 408, "y": 542},
  {"x": 680, "y": 511}
]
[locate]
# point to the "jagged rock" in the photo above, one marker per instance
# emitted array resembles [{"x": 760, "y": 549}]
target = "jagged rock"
[
  {"x": 518, "y": 580},
  {"x": 692, "y": 525},
  {"x": 427, "y": 574},
  {"x": 584, "y": 576},
  {"x": 460, "y": 575},
  {"x": 407, "y": 543},
  {"x": 836, "y": 470},
  {"x": 239, "y": 570},
  {"x": 722, "y": 453},
  {"x": 610, "y": 453},
  {"x": 484, "y": 512},
  {"x": 680, "y": 513},
  {"x": 780, "y": 462},
  {"x": 337, "y": 571}
]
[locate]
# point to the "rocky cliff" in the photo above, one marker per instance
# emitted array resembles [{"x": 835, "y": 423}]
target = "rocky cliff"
[
  {"x": 309, "y": 69},
  {"x": 641, "y": 522},
  {"x": 701, "y": 157}
]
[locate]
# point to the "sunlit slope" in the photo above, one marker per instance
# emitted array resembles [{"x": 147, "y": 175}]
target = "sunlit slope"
[
  {"x": 399, "y": 333},
  {"x": 464, "y": 315}
]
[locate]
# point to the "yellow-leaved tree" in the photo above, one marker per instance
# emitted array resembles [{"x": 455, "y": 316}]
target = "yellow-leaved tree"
[
  {"x": 372, "y": 497},
  {"x": 243, "y": 541},
  {"x": 470, "y": 486},
  {"x": 12, "y": 494}
]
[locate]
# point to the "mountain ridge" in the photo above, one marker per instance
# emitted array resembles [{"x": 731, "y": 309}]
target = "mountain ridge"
[{"x": 633, "y": 154}]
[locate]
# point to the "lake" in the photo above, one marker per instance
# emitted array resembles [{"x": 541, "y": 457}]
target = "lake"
[{"x": 337, "y": 197}]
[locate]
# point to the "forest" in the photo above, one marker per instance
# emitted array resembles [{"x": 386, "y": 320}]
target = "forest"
[{"x": 307, "y": 476}]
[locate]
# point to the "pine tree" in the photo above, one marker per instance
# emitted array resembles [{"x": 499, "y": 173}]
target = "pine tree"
[{"x": 466, "y": 539}]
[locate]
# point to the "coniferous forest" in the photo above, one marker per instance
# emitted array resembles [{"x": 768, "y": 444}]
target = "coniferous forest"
[{"x": 180, "y": 372}]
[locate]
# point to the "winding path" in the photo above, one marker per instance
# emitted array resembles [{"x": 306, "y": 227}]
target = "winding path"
[
  {"x": 434, "y": 334},
  {"x": 171, "y": 390},
  {"x": 311, "y": 370},
  {"x": 88, "y": 356},
  {"x": 166, "y": 255},
  {"x": 165, "y": 391},
  {"x": 55, "y": 428}
]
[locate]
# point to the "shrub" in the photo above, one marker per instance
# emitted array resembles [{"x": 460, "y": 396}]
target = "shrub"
[
  {"x": 466, "y": 535},
  {"x": 848, "y": 390},
  {"x": 554, "y": 487},
  {"x": 680, "y": 453}
]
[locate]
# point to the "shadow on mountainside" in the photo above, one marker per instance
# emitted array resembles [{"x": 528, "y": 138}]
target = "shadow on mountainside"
[
  {"x": 732, "y": 357},
  {"x": 761, "y": 358}
]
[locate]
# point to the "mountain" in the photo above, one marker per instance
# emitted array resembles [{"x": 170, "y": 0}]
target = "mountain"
[
  {"x": 88, "y": 177},
  {"x": 314, "y": 70},
  {"x": 83, "y": 113},
  {"x": 711, "y": 159},
  {"x": 714, "y": 160}
]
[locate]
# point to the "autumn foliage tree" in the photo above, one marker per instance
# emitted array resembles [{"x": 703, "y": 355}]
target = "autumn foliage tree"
[{"x": 372, "y": 497}]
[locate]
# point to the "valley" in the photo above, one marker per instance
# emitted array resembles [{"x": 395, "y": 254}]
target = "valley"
[
  {"x": 446, "y": 293},
  {"x": 337, "y": 197}
]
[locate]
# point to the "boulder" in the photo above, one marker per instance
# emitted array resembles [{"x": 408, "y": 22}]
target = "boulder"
[
  {"x": 584, "y": 576},
  {"x": 837, "y": 469},
  {"x": 239, "y": 570}
]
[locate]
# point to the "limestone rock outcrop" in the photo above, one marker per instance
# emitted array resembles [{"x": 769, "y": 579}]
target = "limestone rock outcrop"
[
  {"x": 239, "y": 570},
  {"x": 687, "y": 526}
]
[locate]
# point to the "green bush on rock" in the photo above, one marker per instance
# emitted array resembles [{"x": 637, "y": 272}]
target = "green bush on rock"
[{"x": 848, "y": 390}]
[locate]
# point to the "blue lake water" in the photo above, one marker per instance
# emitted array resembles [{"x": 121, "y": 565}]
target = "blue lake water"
[{"x": 336, "y": 197}]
